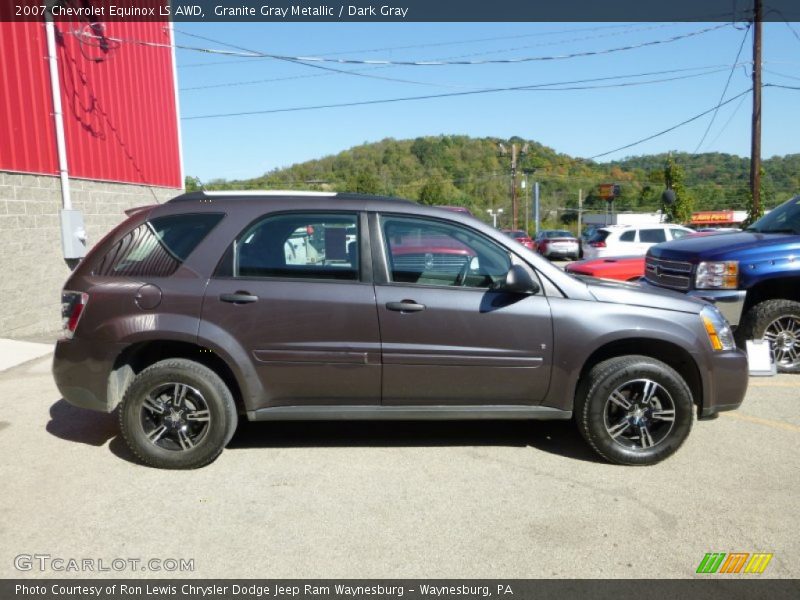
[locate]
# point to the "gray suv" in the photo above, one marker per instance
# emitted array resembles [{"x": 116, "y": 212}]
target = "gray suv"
[{"x": 220, "y": 306}]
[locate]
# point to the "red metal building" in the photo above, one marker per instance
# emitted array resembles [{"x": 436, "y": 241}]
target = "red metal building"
[{"x": 118, "y": 96}]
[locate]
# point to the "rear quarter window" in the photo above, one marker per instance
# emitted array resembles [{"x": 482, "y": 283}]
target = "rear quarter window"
[
  {"x": 652, "y": 236},
  {"x": 157, "y": 247}
]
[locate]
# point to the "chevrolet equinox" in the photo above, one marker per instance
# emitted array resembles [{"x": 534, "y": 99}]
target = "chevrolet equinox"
[{"x": 220, "y": 306}]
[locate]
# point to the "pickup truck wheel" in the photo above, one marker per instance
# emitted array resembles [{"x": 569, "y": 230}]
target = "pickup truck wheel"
[
  {"x": 778, "y": 322},
  {"x": 177, "y": 414},
  {"x": 634, "y": 410}
]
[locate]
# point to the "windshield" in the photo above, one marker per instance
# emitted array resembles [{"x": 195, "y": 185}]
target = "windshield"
[
  {"x": 557, "y": 234},
  {"x": 784, "y": 219}
]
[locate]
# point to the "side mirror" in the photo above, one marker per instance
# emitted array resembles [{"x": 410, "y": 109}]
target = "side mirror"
[{"x": 519, "y": 281}]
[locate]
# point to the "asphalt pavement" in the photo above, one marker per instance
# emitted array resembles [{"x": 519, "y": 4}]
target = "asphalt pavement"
[{"x": 455, "y": 499}]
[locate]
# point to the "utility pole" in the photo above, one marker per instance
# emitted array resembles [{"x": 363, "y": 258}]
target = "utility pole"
[
  {"x": 755, "y": 142},
  {"x": 580, "y": 209},
  {"x": 516, "y": 154}
]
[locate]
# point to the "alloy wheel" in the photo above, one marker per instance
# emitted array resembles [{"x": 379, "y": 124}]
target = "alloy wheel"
[
  {"x": 639, "y": 414},
  {"x": 175, "y": 416},
  {"x": 783, "y": 335}
]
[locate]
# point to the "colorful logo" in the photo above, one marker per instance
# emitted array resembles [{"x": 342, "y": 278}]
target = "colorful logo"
[{"x": 735, "y": 562}]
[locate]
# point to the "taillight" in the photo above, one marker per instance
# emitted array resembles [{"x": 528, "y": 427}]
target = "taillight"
[
  {"x": 597, "y": 244},
  {"x": 72, "y": 305}
]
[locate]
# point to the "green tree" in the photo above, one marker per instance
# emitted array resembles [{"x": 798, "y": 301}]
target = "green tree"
[{"x": 679, "y": 211}]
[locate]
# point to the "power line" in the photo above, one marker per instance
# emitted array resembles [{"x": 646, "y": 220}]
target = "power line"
[
  {"x": 674, "y": 127},
  {"x": 530, "y": 87},
  {"x": 728, "y": 122},
  {"x": 631, "y": 26},
  {"x": 308, "y": 59},
  {"x": 781, "y": 74},
  {"x": 724, "y": 90},
  {"x": 785, "y": 87},
  {"x": 372, "y": 68}
]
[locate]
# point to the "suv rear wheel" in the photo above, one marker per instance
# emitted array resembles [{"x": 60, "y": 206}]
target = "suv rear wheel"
[
  {"x": 177, "y": 414},
  {"x": 634, "y": 410}
]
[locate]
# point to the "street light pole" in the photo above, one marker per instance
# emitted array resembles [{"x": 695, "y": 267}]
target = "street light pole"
[{"x": 494, "y": 214}]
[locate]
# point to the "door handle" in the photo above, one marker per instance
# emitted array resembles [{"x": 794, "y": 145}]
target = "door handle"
[
  {"x": 405, "y": 306},
  {"x": 238, "y": 298}
]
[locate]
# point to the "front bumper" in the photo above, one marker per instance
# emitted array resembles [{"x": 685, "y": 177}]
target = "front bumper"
[
  {"x": 729, "y": 302},
  {"x": 725, "y": 384}
]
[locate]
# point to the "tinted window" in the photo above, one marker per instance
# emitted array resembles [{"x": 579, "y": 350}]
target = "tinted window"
[
  {"x": 652, "y": 236},
  {"x": 628, "y": 236},
  {"x": 157, "y": 247},
  {"x": 783, "y": 219},
  {"x": 435, "y": 253},
  {"x": 305, "y": 245},
  {"x": 677, "y": 233},
  {"x": 558, "y": 234},
  {"x": 599, "y": 235}
]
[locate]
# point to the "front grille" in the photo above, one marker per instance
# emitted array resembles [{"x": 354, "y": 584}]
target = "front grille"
[{"x": 668, "y": 273}]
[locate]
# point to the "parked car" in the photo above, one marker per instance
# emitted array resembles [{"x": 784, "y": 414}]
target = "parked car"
[
  {"x": 189, "y": 316},
  {"x": 557, "y": 243},
  {"x": 521, "y": 236},
  {"x": 623, "y": 268},
  {"x": 752, "y": 276},
  {"x": 628, "y": 240}
]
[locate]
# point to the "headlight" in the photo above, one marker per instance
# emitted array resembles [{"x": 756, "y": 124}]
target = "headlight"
[
  {"x": 719, "y": 332},
  {"x": 717, "y": 275}
]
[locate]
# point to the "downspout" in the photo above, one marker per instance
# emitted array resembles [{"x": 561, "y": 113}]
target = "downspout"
[
  {"x": 171, "y": 30},
  {"x": 58, "y": 115}
]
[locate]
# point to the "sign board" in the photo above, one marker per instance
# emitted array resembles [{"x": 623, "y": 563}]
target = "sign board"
[
  {"x": 609, "y": 191},
  {"x": 711, "y": 217}
]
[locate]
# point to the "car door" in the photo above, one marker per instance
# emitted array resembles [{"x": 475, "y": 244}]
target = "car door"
[
  {"x": 291, "y": 293},
  {"x": 446, "y": 337}
]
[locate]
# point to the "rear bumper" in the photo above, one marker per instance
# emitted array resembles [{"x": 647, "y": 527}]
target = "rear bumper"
[
  {"x": 81, "y": 371},
  {"x": 725, "y": 383},
  {"x": 729, "y": 302}
]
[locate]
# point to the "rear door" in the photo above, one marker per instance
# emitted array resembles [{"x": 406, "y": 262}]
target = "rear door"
[
  {"x": 290, "y": 290},
  {"x": 447, "y": 338}
]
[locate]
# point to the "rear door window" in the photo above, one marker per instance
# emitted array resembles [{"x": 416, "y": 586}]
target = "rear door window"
[
  {"x": 157, "y": 247},
  {"x": 652, "y": 236},
  {"x": 599, "y": 236},
  {"x": 628, "y": 236},
  {"x": 299, "y": 245}
]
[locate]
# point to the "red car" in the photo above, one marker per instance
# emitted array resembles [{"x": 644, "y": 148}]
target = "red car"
[
  {"x": 624, "y": 268},
  {"x": 521, "y": 236}
]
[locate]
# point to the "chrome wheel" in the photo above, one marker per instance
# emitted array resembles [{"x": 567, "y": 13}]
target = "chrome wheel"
[
  {"x": 639, "y": 414},
  {"x": 175, "y": 416},
  {"x": 783, "y": 335}
]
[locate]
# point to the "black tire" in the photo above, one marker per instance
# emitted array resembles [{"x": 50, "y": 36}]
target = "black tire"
[
  {"x": 597, "y": 415},
  {"x": 201, "y": 421},
  {"x": 760, "y": 321}
]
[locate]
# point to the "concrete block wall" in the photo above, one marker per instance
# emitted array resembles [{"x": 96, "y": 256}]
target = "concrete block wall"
[{"x": 33, "y": 270}]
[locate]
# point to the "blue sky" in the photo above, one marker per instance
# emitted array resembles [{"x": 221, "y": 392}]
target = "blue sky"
[{"x": 577, "y": 122}]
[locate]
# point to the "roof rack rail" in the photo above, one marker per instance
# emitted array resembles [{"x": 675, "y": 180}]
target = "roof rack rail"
[{"x": 206, "y": 194}]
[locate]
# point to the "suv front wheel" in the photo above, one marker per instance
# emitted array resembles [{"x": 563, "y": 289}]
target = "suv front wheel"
[
  {"x": 634, "y": 410},
  {"x": 177, "y": 414}
]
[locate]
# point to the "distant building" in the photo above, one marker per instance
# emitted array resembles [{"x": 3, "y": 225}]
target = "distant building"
[
  {"x": 718, "y": 218},
  {"x": 121, "y": 149}
]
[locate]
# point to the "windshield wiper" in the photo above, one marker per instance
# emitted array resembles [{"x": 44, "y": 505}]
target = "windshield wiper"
[{"x": 785, "y": 230}]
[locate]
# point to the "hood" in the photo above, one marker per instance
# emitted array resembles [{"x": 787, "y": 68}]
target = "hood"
[
  {"x": 641, "y": 294},
  {"x": 724, "y": 246}
]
